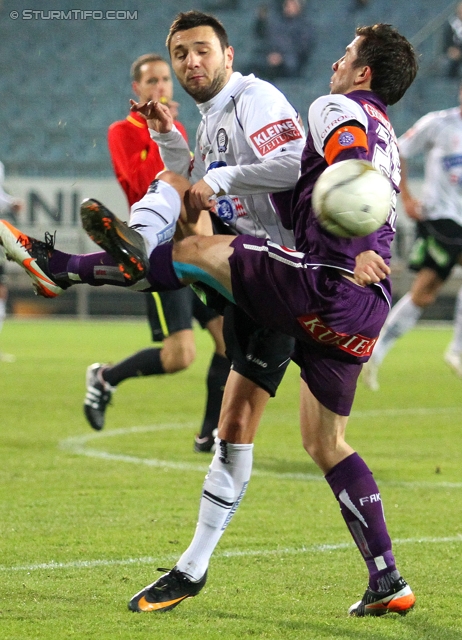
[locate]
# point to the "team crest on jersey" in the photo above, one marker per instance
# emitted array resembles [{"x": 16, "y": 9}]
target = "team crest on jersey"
[
  {"x": 222, "y": 141},
  {"x": 275, "y": 135},
  {"x": 226, "y": 209},
  {"x": 346, "y": 139}
]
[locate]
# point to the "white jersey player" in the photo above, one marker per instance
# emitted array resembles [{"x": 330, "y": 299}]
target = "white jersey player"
[
  {"x": 248, "y": 145},
  {"x": 439, "y": 136},
  {"x": 248, "y": 149},
  {"x": 438, "y": 216}
]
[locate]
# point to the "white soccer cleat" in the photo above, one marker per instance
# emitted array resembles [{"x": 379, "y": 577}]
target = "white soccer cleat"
[
  {"x": 369, "y": 375},
  {"x": 32, "y": 255},
  {"x": 454, "y": 361}
]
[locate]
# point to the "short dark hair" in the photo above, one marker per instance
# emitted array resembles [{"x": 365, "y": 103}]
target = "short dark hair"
[
  {"x": 135, "y": 69},
  {"x": 392, "y": 60},
  {"x": 191, "y": 19}
]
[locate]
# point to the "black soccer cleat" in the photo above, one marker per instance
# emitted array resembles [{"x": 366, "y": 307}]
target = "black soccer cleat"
[
  {"x": 98, "y": 396},
  {"x": 206, "y": 444},
  {"x": 398, "y": 599},
  {"x": 33, "y": 256},
  {"x": 167, "y": 592},
  {"x": 120, "y": 241}
]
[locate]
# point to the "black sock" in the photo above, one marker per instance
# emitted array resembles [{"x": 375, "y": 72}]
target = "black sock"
[
  {"x": 216, "y": 380},
  {"x": 144, "y": 363}
]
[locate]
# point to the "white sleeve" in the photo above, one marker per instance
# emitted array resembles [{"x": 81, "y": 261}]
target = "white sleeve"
[
  {"x": 327, "y": 113},
  {"x": 274, "y": 140},
  {"x": 271, "y": 176},
  {"x": 174, "y": 150},
  {"x": 419, "y": 138},
  {"x": 198, "y": 170}
]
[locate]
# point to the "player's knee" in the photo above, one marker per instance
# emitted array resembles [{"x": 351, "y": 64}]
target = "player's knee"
[
  {"x": 180, "y": 183},
  {"x": 179, "y": 358},
  {"x": 235, "y": 429},
  {"x": 316, "y": 449}
]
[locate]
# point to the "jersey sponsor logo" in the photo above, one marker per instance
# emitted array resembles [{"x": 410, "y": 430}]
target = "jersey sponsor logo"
[
  {"x": 355, "y": 345},
  {"x": 330, "y": 106},
  {"x": 346, "y": 139},
  {"x": 378, "y": 115},
  {"x": 222, "y": 140},
  {"x": 275, "y": 135},
  {"x": 334, "y": 124}
]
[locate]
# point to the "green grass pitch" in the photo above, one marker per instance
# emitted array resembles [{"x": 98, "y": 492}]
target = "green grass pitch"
[{"x": 87, "y": 518}]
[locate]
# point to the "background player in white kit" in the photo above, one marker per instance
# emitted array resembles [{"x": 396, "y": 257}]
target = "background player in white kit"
[{"x": 438, "y": 247}]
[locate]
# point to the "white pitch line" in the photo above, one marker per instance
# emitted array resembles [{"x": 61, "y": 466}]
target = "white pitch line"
[
  {"x": 246, "y": 553},
  {"x": 417, "y": 411},
  {"x": 77, "y": 446}
]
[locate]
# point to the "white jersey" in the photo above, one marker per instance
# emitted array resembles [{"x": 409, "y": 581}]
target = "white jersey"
[
  {"x": 248, "y": 145},
  {"x": 438, "y": 135}
]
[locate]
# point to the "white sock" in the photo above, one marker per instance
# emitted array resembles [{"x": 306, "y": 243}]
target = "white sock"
[
  {"x": 2, "y": 312},
  {"x": 156, "y": 214},
  {"x": 223, "y": 490},
  {"x": 456, "y": 344},
  {"x": 402, "y": 318}
]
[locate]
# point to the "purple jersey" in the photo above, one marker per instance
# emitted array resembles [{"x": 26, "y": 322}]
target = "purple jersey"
[{"x": 326, "y": 115}]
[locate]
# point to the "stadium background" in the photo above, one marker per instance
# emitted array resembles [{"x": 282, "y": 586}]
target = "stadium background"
[{"x": 64, "y": 80}]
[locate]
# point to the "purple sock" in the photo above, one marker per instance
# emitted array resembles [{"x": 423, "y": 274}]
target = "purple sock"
[
  {"x": 162, "y": 276},
  {"x": 91, "y": 268},
  {"x": 360, "y": 503},
  {"x": 100, "y": 268}
]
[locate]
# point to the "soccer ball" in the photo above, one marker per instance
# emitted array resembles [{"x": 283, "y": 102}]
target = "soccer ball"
[{"x": 352, "y": 199}]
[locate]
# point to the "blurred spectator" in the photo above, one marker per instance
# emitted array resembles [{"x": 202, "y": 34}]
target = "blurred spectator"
[
  {"x": 452, "y": 43},
  {"x": 359, "y": 4},
  {"x": 221, "y": 5},
  {"x": 285, "y": 39}
]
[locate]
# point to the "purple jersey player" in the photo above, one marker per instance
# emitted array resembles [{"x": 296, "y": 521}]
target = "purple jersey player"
[{"x": 331, "y": 294}]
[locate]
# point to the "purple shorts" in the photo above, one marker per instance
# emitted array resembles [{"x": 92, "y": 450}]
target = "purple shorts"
[{"x": 335, "y": 322}]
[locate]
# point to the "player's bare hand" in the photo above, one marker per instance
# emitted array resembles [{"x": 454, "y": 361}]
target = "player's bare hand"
[
  {"x": 158, "y": 115},
  {"x": 201, "y": 195},
  {"x": 370, "y": 268}
]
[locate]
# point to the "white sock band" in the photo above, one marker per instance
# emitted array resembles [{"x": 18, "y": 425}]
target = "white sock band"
[{"x": 156, "y": 214}]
